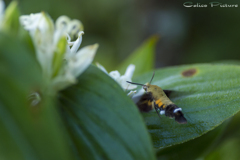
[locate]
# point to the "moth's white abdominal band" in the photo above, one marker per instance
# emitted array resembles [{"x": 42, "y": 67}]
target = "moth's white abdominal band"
[
  {"x": 162, "y": 112},
  {"x": 177, "y": 109}
]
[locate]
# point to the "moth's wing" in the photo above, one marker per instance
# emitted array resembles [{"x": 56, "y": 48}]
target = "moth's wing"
[
  {"x": 145, "y": 103},
  {"x": 168, "y": 92},
  {"x": 174, "y": 93}
]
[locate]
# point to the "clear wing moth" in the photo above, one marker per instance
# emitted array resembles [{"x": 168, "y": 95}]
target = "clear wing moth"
[{"x": 157, "y": 98}]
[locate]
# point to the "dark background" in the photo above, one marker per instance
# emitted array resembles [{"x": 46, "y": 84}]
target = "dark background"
[{"x": 188, "y": 35}]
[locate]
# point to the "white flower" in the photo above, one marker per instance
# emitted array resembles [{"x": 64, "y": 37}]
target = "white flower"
[
  {"x": 73, "y": 27},
  {"x": 122, "y": 79},
  {"x": 136, "y": 97},
  {"x": 60, "y": 59},
  {"x": 41, "y": 29},
  {"x": 132, "y": 93},
  {"x": 2, "y": 8}
]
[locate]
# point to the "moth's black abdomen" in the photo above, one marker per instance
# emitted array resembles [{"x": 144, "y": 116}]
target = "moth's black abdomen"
[
  {"x": 180, "y": 118},
  {"x": 169, "y": 110},
  {"x": 173, "y": 111}
]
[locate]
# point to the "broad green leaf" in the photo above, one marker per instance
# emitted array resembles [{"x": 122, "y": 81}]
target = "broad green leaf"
[
  {"x": 208, "y": 95},
  {"x": 142, "y": 57},
  {"x": 27, "y": 132},
  {"x": 193, "y": 149},
  {"x": 102, "y": 121},
  {"x": 229, "y": 149},
  {"x": 233, "y": 129}
]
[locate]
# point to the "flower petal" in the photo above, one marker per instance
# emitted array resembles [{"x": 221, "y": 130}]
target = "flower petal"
[
  {"x": 2, "y": 7},
  {"x": 41, "y": 29},
  {"x": 123, "y": 82},
  {"x": 115, "y": 75},
  {"x": 63, "y": 81},
  {"x": 136, "y": 97},
  {"x": 74, "y": 27},
  {"x": 101, "y": 67},
  {"x": 62, "y": 22},
  {"x": 130, "y": 70},
  {"x": 77, "y": 43},
  {"x": 38, "y": 21},
  {"x": 31, "y": 21},
  {"x": 83, "y": 58},
  {"x": 131, "y": 93}
]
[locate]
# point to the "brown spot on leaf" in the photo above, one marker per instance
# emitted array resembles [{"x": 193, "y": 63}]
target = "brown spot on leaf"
[{"x": 189, "y": 72}]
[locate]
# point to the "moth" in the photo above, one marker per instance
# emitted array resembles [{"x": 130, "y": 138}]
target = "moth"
[{"x": 156, "y": 97}]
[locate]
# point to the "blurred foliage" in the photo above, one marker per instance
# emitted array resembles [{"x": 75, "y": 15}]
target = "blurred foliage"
[
  {"x": 229, "y": 149},
  {"x": 228, "y": 146},
  {"x": 142, "y": 57},
  {"x": 11, "y": 21},
  {"x": 104, "y": 125},
  {"x": 195, "y": 148},
  {"x": 27, "y": 133},
  {"x": 95, "y": 127}
]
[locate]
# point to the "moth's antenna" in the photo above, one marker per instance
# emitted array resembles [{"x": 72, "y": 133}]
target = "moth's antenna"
[
  {"x": 152, "y": 77},
  {"x": 135, "y": 83}
]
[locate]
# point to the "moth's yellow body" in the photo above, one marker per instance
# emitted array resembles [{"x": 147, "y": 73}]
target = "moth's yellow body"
[{"x": 158, "y": 95}]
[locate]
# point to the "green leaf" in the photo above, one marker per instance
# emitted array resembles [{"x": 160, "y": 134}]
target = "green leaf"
[
  {"x": 142, "y": 57},
  {"x": 208, "y": 95},
  {"x": 27, "y": 132},
  {"x": 195, "y": 148},
  {"x": 103, "y": 122},
  {"x": 229, "y": 149}
]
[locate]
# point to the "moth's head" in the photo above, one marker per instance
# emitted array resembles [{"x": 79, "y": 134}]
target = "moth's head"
[
  {"x": 152, "y": 89},
  {"x": 146, "y": 86}
]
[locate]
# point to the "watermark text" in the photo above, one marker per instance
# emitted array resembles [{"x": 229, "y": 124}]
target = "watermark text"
[{"x": 210, "y": 4}]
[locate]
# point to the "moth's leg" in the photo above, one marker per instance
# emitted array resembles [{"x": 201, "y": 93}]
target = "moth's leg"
[{"x": 155, "y": 106}]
